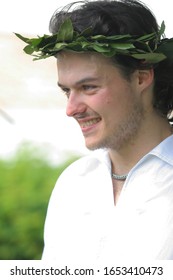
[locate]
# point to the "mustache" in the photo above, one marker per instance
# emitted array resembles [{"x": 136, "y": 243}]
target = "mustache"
[{"x": 79, "y": 116}]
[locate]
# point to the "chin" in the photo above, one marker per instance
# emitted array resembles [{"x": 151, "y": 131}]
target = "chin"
[{"x": 94, "y": 145}]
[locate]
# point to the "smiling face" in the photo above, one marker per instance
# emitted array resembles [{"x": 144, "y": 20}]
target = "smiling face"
[{"x": 107, "y": 106}]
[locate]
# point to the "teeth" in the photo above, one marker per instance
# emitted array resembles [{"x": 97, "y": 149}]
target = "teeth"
[{"x": 91, "y": 122}]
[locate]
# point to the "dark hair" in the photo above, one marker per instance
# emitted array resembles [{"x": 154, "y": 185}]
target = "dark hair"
[{"x": 111, "y": 17}]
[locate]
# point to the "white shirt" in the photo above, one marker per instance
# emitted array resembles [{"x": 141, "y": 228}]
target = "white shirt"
[{"x": 83, "y": 224}]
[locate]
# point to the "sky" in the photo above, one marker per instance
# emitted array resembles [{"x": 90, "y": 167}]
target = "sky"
[
  {"x": 31, "y": 107},
  {"x": 33, "y": 16},
  {"x": 27, "y": 16}
]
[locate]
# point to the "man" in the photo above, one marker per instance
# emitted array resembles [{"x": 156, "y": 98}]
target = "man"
[{"x": 116, "y": 203}]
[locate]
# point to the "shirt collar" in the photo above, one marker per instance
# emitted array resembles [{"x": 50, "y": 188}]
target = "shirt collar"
[{"x": 164, "y": 150}]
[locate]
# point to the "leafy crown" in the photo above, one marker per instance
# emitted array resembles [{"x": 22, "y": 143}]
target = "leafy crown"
[{"x": 151, "y": 48}]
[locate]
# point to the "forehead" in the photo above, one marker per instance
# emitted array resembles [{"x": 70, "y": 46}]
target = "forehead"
[
  {"x": 73, "y": 65},
  {"x": 89, "y": 56}
]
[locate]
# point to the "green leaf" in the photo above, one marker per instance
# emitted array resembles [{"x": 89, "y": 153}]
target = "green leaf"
[
  {"x": 100, "y": 48},
  {"x": 59, "y": 46},
  {"x": 24, "y": 39},
  {"x": 66, "y": 31},
  {"x": 147, "y": 37},
  {"x": 111, "y": 38},
  {"x": 35, "y": 41},
  {"x": 150, "y": 57},
  {"x": 166, "y": 48},
  {"x": 162, "y": 28},
  {"x": 122, "y": 46},
  {"x": 28, "y": 49}
]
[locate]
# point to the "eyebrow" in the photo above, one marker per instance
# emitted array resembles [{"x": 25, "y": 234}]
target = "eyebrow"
[{"x": 82, "y": 81}]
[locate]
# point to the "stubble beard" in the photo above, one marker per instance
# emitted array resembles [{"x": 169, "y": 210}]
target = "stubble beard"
[{"x": 123, "y": 133}]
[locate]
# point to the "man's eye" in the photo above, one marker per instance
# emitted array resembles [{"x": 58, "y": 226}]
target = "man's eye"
[{"x": 89, "y": 87}]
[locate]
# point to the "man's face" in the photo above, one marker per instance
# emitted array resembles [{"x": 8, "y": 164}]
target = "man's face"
[{"x": 107, "y": 107}]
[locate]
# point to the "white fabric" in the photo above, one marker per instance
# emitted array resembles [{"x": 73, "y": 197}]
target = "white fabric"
[{"x": 82, "y": 223}]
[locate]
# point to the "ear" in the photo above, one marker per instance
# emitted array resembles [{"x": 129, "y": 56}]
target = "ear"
[{"x": 145, "y": 78}]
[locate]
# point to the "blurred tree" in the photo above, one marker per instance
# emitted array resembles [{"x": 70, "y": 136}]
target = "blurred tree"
[{"x": 26, "y": 182}]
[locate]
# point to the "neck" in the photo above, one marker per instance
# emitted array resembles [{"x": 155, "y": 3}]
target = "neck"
[{"x": 128, "y": 155}]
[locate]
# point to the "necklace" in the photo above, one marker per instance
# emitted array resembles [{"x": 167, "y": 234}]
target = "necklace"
[{"x": 119, "y": 177}]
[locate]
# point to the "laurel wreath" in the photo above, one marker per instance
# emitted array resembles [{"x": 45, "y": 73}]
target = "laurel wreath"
[{"x": 151, "y": 48}]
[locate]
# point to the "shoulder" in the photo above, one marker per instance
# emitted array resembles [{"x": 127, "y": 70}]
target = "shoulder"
[
  {"x": 87, "y": 163},
  {"x": 82, "y": 172},
  {"x": 78, "y": 180}
]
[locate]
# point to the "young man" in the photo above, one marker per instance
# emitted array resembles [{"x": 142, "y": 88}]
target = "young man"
[{"x": 117, "y": 203}]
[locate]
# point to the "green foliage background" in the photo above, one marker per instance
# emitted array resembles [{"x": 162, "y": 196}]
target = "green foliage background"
[{"x": 26, "y": 182}]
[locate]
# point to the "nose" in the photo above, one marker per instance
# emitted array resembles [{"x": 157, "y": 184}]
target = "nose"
[{"x": 75, "y": 105}]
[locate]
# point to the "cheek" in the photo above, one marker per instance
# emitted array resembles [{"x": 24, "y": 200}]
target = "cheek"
[
  {"x": 105, "y": 105},
  {"x": 105, "y": 97},
  {"x": 110, "y": 101},
  {"x": 115, "y": 106}
]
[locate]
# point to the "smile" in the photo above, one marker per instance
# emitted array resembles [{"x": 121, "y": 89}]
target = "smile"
[{"x": 89, "y": 123}]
